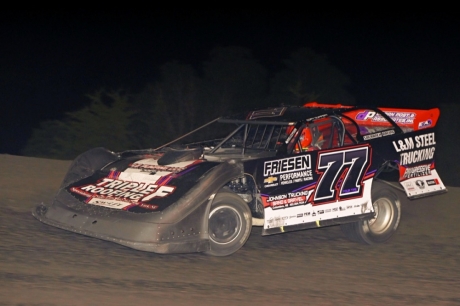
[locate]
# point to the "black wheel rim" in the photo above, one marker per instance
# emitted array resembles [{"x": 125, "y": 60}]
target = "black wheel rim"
[{"x": 224, "y": 224}]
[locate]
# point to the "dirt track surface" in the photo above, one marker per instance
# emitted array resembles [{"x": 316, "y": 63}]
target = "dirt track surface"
[{"x": 43, "y": 265}]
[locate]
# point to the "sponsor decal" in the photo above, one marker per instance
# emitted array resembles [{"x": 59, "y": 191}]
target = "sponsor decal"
[
  {"x": 420, "y": 184},
  {"x": 287, "y": 171},
  {"x": 285, "y": 165},
  {"x": 296, "y": 177},
  {"x": 270, "y": 112},
  {"x": 378, "y": 135},
  {"x": 409, "y": 186},
  {"x": 148, "y": 206},
  {"x": 120, "y": 194},
  {"x": 422, "y": 170},
  {"x": 316, "y": 117},
  {"x": 397, "y": 117},
  {"x": 415, "y": 149},
  {"x": 425, "y": 124},
  {"x": 423, "y": 186},
  {"x": 432, "y": 182},
  {"x": 108, "y": 203},
  {"x": 372, "y": 136},
  {"x": 287, "y": 200},
  {"x": 271, "y": 181},
  {"x": 153, "y": 168}
]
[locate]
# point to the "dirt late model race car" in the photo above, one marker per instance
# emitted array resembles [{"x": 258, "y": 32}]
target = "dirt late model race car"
[{"x": 285, "y": 168}]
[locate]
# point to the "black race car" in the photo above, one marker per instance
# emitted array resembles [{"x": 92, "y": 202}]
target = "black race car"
[{"x": 285, "y": 168}]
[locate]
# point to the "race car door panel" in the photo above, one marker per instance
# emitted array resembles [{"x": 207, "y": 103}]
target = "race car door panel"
[{"x": 316, "y": 186}]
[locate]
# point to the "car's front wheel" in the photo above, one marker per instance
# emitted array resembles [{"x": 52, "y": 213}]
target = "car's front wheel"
[
  {"x": 229, "y": 224},
  {"x": 385, "y": 222}
]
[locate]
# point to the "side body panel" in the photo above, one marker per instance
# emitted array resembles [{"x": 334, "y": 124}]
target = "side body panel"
[
  {"x": 315, "y": 188},
  {"x": 412, "y": 149},
  {"x": 414, "y": 154}
]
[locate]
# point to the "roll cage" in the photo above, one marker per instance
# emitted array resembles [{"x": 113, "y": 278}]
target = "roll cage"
[{"x": 276, "y": 131}]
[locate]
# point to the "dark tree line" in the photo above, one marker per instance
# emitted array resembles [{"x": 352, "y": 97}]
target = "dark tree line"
[{"x": 185, "y": 97}]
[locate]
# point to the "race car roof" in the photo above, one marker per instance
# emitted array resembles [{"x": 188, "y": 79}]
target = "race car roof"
[{"x": 286, "y": 114}]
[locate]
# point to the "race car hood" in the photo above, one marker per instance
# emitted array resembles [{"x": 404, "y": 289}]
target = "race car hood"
[{"x": 140, "y": 184}]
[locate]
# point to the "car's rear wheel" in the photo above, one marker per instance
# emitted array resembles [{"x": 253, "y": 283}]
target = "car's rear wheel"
[
  {"x": 385, "y": 222},
  {"x": 229, "y": 224}
]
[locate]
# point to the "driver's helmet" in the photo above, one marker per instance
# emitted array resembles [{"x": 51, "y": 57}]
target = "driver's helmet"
[
  {"x": 305, "y": 139},
  {"x": 309, "y": 142}
]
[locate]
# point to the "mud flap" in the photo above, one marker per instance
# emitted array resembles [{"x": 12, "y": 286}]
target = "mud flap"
[{"x": 423, "y": 186}]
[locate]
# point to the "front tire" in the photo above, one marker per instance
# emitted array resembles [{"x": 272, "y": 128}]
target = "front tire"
[
  {"x": 87, "y": 163},
  {"x": 229, "y": 224},
  {"x": 387, "y": 209}
]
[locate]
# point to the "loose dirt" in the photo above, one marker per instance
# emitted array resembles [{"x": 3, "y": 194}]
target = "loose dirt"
[{"x": 43, "y": 265}]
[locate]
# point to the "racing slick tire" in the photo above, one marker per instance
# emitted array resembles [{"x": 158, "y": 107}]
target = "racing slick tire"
[
  {"x": 379, "y": 229},
  {"x": 229, "y": 224}
]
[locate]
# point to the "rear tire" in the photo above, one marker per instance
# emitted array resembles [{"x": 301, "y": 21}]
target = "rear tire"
[
  {"x": 386, "y": 221},
  {"x": 229, "y": 224}
]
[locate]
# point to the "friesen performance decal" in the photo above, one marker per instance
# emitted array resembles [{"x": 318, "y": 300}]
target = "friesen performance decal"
[
  {"x": 279, "y": 166},
  {"x": 415, "y": 149},
  {"x": 287, "y": 171}
]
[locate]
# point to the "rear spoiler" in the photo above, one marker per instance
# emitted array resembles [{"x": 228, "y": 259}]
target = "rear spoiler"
[{"x": 415, "y": 119}]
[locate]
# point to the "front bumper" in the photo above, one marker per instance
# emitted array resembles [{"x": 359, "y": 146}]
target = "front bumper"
[
  {"x": 180, "y": 228},
  {"x": 138, "y": 231}
]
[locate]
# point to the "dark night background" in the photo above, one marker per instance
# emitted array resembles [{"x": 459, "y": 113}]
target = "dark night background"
[{"x": 51, "y": 59}]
